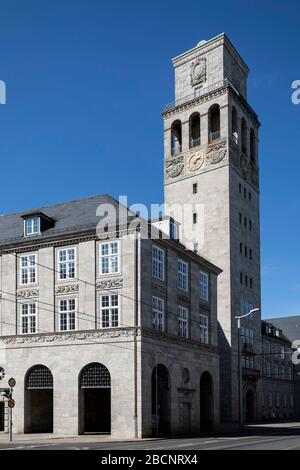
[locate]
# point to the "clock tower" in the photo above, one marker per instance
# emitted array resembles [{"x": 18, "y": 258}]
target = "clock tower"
[{"x": 212, "y": 188}]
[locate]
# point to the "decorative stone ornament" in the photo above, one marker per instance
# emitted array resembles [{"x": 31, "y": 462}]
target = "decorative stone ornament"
[
  {"x": 195, "y": 161},
  {"x": 198, "y": 71},
  {"x": 67, "y": 289},
  {"x": 27, "y": 293},
  {"x": 217, "y": 157},
  {"x": 110, "y": 284},
  {"x": 174, "y": 167}
]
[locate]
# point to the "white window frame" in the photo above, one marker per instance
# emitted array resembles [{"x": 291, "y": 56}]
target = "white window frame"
[
  {"x": 29, "y": 315},
  {"x": 183, "y": 321},
  {"x": 67, "y": 262},
  {"x": 183, "y": 277},
  {"x": 110, "y": 256},
  {"x": 158, "y": 265},
  {"x": 67, "y": 312},
  {"x": 32, "y": 232},
  {"x": 28, "y": 269},
  {"x": 204, "y": 329},
  {"x": 158, "y": 314},
  {"x": 204, "y": 286},
  {"x": 111, "y": 308}
]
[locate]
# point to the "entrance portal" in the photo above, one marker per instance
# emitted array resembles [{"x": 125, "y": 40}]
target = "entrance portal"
[
  {"x": 38, "y": 400},
  {"x": 206, "y": 402},
  {"x": 94, "y": 399},
  {"x": 250, "y": 405},
  {"x": 160, "y": 400}
]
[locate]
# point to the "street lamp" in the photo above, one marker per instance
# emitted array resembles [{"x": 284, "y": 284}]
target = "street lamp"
[{"x": 239, "y": 317}]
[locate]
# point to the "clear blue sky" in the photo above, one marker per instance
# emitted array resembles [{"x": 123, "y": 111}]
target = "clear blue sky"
[{"x": 87, "y": 80}]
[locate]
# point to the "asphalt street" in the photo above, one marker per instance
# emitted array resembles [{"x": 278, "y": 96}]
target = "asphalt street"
[{"x": 284, "y": 440}]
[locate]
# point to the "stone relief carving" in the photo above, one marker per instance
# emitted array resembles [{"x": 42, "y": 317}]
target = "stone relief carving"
[
  {"x": 198, "y": 71},
  {"x": 244, "y": 165},
  {"x": 195, "y": 161},
  {"x": 67, "y": 289},
  {"x": 220, "y": 144},
  {"x": 159, "y": 289},
  {"x": 175, "y": 167},
  {"x": 109, "y": 284},
  {"x": 27, "y": 293},
  {"x": 216, "y": 157}
]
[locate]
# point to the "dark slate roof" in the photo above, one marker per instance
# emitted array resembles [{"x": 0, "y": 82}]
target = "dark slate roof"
[
  {"x": 289, "y": 325},
  {"x": 70, "y": 217}
]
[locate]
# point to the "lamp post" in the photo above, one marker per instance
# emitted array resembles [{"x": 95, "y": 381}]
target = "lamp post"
[{"x": 240, "y": 381}]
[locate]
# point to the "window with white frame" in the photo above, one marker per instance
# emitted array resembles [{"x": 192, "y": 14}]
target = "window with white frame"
[
  {"x": 67, "y": 263},
  {"x": 268, "y": 368},
  {"x": 28, "y": 320},
  {"x": 183, "y": 272},
  {"x": 183, "y": 324},
  {"x": 109, "y": 257},
  {"x": 32, "y": 226},
  {"x": 109, "y": 311},
  {"x": 158, "y": 263},
  {"x": 28, "y": 272},
  {"x": 204, "y": 333},
  {"x": 282, "y": 352},
  {"x": 67, "y": 314},
  {"x": 158, "y": 320},
  {"x": 203, "y": 285}
]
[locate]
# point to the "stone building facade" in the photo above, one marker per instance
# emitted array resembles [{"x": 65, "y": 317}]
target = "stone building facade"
[
  {"x": 278, "y": 393},
  {"x": 211, "y": 164},
  {"x": 105, "y": 329}
]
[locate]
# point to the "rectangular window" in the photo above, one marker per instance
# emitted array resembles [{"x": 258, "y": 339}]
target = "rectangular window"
[
  {"x": 270, "y": 399},
  {"x": 195, "y": 188},
  {"x": 240, "y": 217},
  {"x": 28, "y": 318},
  {"x": 67, "y": 314},
  {"x": 203, "y": 287},
  {"x": 183, "y": 322},
  {"x": 158, "y": 263},
  {"x": 183, "y": 272},
  {"x": 66, "y": 263},
  {"x": 28, "y": 269},
  {"x": 204, "y": 336},
  {"x": 198, "y": 91},
  {"x": 109, "y": 258},
  {"x": 32, "y": 226},
  {"x": 284, "y": 400},
  {"x": 250, "y": 225},
  {"x": 158, "y": 314},
  {"x": 173, "y": 231},
  {"x": 194, "y": 218},
  {"x": 278, "y": 399},
  {"x": 109, "y": 311}
]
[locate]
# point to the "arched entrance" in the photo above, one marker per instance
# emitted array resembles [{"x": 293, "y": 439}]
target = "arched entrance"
[
  {"x": 38, "y": 407},
  {"x": 249, "y": 402},
  {"x": 160, "y": 400},
  {"x": 94, "y": 399},
  {"x": 206, "y": 402}
]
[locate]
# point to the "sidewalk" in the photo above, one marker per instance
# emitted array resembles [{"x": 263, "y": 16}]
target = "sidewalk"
[{"x": 40, "y": 438}]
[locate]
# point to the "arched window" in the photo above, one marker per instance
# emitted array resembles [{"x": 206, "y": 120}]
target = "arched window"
[
  {"x": 244, "y": 136},
  {"x": 234, "y": 126},
  {"x": 195, "y": 130},
  {"x": 39, "y": 377},
  {"x": 214, "y": 123},
  {"x": 176, "y": 138},
  {"x": 252, "y": 146}
]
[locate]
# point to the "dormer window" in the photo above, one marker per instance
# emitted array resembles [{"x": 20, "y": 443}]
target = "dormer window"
[
  {"x": 32, "y": 226},
  {"x": 36, "y": 223}
]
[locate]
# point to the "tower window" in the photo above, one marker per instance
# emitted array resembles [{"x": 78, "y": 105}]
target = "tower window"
[
  {"x": 194, "y": 218},
  {"x": 250, "y": 253},
  {"x": 245, "y": 193},
  {"x": 240, "y": 188},
  {"x": 241, "y": 248},
  {"x": 214, "y": 123},
  {"x": 244, "y": 136},
  {"x": 195, "y": 188},
  {"x": 195, "y": 130},
  {"x": 246, "y": 251},
  {"x": 241, "y": 278},
  {"x": 234, "y": 124},
  {"x": 252, "y": 146},
  {"x": 250, "y": 225},
  {"x": 240, "y": 217},
  {"x": 246, "y": 280},
  {"x": 176, "y": 138},
  {"x": 249, "y": 196},
  {"x": 251, "y": 283},
  {"x": 245, "y": 222}
]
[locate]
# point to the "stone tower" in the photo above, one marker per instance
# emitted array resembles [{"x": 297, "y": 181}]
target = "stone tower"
[{"x": 211, "y": 169}]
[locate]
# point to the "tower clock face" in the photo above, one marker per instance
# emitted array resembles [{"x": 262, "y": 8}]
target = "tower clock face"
[
  {"x": 196, "y": 161},
  {"x": 2, "y": 373}
]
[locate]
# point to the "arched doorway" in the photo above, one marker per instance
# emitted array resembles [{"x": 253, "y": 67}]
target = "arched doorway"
[
  {"x": 249, "y": 402},
  {"x": 206, "y": 402},
  {"x": 38, "y": 407},
  {"x": 160, "y": 400},
  {"x": 94, "y": 399}
]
